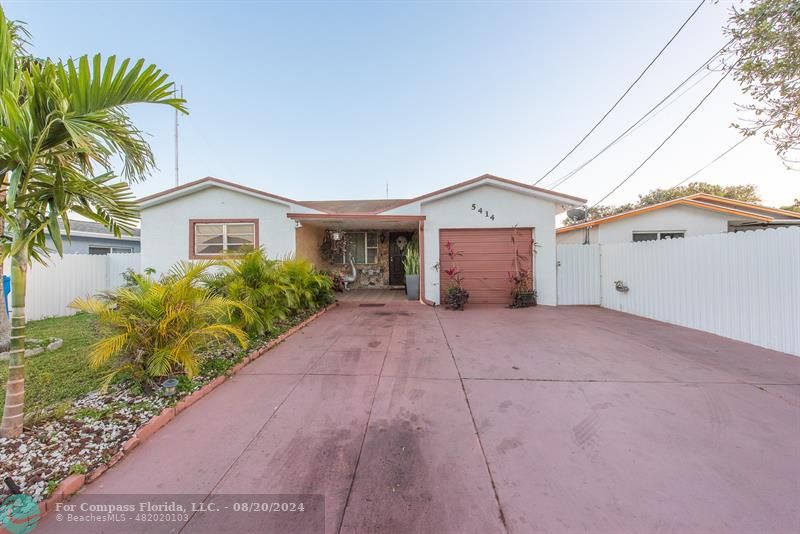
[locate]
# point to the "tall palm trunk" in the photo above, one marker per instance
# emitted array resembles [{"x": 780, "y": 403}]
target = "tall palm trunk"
[
  {"x": 4, "y": 324},
  {"x": 15, "y": 388}
]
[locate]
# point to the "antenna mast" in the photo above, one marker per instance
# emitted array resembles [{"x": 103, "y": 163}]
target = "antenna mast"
[{"x": 177, "y": 166}]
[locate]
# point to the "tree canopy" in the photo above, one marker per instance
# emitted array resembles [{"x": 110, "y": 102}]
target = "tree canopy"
[
  {"x": 765, "y": 57},
  {"x": 745, "y": 193},
  {"x": 793, "y": 207}
]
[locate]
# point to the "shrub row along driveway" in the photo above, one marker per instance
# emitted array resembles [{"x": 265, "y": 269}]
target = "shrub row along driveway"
[{"x": 409, "y": 419}]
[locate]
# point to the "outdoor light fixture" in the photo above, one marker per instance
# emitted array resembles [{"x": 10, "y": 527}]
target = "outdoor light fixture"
[
  {"x": 169, "y": 386},
  {"x": 298, "y": 224},
  {"x": 336, "y": 236},
  {"x": 383, "y": 238}
]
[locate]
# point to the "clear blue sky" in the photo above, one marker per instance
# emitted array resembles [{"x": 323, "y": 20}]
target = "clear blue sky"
[{"x": 317, "y": 100}]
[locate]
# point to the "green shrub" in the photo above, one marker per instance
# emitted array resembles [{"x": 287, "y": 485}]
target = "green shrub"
[
  {"x": 157, "y": 328},
  {"x": 273, "y": 289},
  {"x": 411, "y": 258},
  {"x": 312, "y": 289}
]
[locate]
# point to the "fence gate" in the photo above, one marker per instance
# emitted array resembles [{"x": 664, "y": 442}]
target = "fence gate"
[{"x": 578, "y": 276}]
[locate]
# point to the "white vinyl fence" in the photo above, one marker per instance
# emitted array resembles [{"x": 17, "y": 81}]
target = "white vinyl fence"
[
  {"x": 52, "y": 287},
  {"x": 578, "y": 274},
  {"x": 744, "y": 285}
]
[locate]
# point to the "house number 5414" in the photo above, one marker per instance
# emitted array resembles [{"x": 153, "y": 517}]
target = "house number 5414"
[{"x": 482, "y": 211}]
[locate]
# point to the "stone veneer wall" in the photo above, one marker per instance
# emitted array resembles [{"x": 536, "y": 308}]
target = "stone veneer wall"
[{"x": 309, "y": 238}]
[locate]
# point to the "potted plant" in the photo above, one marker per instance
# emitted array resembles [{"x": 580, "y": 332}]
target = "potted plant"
[
  {"x": 455, "y": 296},
  {"x": 522, "y": 293},
  {"x": 411, "y": 268}
]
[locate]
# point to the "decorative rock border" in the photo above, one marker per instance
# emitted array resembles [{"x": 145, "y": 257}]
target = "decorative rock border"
[{"x": 74, "y": 483}]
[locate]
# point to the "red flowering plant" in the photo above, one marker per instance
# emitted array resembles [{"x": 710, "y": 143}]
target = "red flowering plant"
[
  {"x": 455, "y": 295},
  {"x": 521, "y": 279}
]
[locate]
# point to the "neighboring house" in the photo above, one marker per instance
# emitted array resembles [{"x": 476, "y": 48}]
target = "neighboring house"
[
  {"x": 88, "y": 237},
  {"x": 697, "y": 214},
  {"x": 210, "y": 217}
]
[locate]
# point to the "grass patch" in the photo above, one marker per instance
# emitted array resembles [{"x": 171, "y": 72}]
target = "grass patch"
[{"x": 61, "y": 375}]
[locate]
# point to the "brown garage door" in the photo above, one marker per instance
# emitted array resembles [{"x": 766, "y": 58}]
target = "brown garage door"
[{"x": 487, "y": 256}]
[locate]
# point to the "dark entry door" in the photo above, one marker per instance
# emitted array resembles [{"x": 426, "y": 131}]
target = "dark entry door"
[{"x": 397, "y": 276}]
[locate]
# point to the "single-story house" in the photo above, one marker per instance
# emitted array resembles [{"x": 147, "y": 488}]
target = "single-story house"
[
  {"x": 697, "y": 214},
  {"x": 89, "y": 237},
  {"x": 488, "y": 220}
]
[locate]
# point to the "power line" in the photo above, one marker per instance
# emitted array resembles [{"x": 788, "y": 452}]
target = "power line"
[
  {"x": 647, "y": 116},
  {"x": 628, "y": 90},
  {"x": 710, "y": 163},
  {"x": 664, "y": 142}
]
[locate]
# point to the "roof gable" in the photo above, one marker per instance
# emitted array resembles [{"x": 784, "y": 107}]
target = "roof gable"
[
  {"x": 206, "y": 183},
  {"x": 490, "y": 179}
]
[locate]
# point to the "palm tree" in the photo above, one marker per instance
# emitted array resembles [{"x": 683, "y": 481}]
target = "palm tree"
[
  {"x": 63, "y": 126},
  {"x": 19, "y": 40},
  {"x": 158, "y": 327}
]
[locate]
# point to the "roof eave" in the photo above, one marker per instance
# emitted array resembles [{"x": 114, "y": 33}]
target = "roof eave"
[
  {"x": 740, "y": 203},
  {"x": 356, "y": 216},
  {"x": 686, "y": 201}
]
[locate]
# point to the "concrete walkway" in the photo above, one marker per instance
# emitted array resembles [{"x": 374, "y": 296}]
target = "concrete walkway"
[{"x": 408, "y": 419}]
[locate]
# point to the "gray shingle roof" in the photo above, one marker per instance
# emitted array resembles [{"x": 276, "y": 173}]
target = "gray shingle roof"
[{"x": 91, "y": 227}]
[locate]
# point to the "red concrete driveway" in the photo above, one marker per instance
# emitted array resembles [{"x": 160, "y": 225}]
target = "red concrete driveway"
[{"x": 408, "y": 419}]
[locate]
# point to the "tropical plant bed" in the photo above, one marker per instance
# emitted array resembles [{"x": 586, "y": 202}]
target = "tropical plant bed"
[{"x": 97, "y": 429}]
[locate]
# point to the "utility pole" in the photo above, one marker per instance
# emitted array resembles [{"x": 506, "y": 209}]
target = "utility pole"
[{"x": 177, "y": 168}]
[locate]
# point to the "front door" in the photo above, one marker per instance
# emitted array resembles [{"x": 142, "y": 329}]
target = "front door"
[{"x": 398, "y": 241}]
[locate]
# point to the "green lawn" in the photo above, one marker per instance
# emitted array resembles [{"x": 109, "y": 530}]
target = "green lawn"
[{"x": 61, "y": 375}]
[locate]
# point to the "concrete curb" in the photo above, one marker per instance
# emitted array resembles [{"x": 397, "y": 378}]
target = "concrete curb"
[{"x": 74, "y": 483}]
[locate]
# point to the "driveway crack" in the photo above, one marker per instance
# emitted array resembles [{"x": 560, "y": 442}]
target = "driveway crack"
[
  {"x": 474, "y": 425},
  {"x": 361, "y": 447}
]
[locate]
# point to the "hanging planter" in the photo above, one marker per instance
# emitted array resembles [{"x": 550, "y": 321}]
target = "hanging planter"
[{"x": 333, "y": 247}]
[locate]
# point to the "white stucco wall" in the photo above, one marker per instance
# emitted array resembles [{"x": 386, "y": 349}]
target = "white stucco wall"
[
  {"x": 510, "y": 209},
  {"x": 680, "y": 218},
  {"x": 577, "y": 237},
  {"x": 165, "y": 227}
]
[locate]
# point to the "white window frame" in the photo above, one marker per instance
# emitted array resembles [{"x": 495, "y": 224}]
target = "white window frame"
[
  {"x": 224, "y": 224},
  {"x": 659, "y": 234},
  {"x": 367, "y": 248},
  {"x": 106, "y": 247},
  {"x": 112, "y": 249}
]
